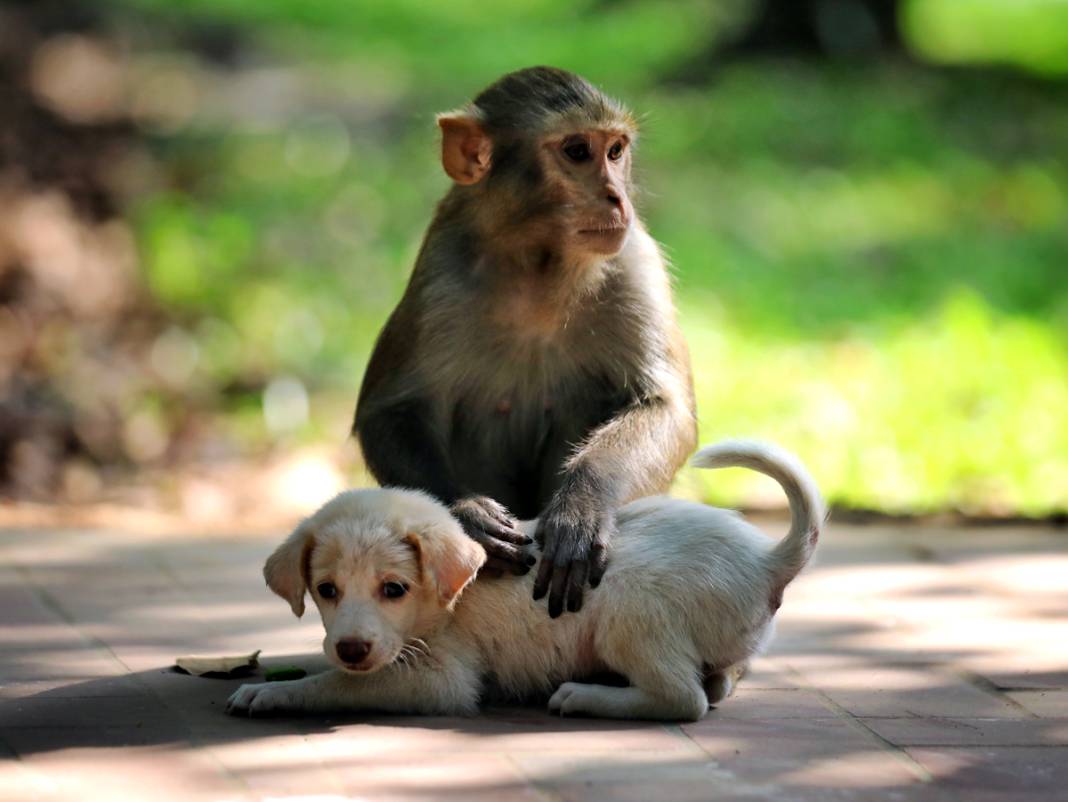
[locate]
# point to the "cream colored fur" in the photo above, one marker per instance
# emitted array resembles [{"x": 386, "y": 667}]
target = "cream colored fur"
[{"x": 689, "y": 596}]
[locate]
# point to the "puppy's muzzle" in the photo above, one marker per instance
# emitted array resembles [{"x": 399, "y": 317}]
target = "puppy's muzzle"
[{"x": 352, "y": 651}]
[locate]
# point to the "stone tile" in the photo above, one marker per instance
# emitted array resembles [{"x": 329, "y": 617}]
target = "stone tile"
[
  {"x": 30, "y": 741},
  {"x": 762, "y": 703},
  {"x": 84, "y": 711},
  {"x": 901, "y": 691},
  {"x": 137, "y": 773},
  {"x": 278, "y": 766},
  {"x": 514, "y": 731},
  {"x": 1019, "y": 676},
  {"x": 57, "y": 688},
  {"x": 1006, "y": 772},
  {"x": 20, "y": 783},
  {"x": 1045, "y": 703},
  {"x": 639, "y": 778},
  {"x": 824, "y": 752},
  {"x": 970, "y": 731},
  {"x": 881, "y": 623},
  {"x": 768, "y": 673},
  {"x": 458, "y": 778}
]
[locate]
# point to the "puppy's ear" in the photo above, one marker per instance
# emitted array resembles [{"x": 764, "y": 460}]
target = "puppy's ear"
[
  {"x": 448, "y": 559},
  {"x": 286, "y": 569}
]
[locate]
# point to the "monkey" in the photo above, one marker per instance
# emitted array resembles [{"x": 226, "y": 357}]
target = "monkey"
[{"x": 534, "y": 365}]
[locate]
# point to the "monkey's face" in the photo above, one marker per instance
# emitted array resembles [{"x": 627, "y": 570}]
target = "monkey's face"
[{"x": 589, "y": 173}]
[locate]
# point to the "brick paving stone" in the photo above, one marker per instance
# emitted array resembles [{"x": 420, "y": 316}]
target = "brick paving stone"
[
  {"x": 764, "y": 703},
  {"x": 503, "y": 730},
  {"x": 627, "y": 778},
  {"x": 768, "y": 673},
  {"x": 1005, "y": 772},
  {"x": 970, "y": 731},
  {"x": 1044, "y": 703},
  {"x": 133, "y": 773},
  {"x": 882, "y": 684},
  {"x": 815, "y": 753},
  {"x": 88, "y": 711},
  {"x": 1007, "y": 677},
  {"x": 30, "y": 741},
  {"x": 901, "y": 691}
]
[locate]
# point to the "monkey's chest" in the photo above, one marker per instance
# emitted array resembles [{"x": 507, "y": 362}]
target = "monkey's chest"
[
  {"x": 511, "y": 445},
  {"x": 501, "y": 447}
]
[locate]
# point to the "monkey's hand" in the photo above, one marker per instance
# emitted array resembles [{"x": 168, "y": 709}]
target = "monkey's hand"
[
  {"x": 488, "y": 523},
  {"x": 574, "y": 543}
]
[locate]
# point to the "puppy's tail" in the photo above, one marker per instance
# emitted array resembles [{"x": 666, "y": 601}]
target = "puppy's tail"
[{"x": 807, "y": 512}]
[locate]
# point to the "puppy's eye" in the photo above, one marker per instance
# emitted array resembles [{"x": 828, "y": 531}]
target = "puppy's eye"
[
  {"x": 615, "y": 151},
  {"x": 328, "y": 590},
  {"x": 578, "y": 151},
  {"x": 394, "y": 590}
]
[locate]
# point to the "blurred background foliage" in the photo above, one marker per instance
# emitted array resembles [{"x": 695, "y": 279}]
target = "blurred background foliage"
[{"x": 208, "y": 209}]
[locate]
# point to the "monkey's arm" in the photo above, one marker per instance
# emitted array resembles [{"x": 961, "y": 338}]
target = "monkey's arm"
[{"x": 634, "y": 453}]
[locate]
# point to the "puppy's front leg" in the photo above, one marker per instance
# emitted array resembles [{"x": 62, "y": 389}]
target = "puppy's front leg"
[{"x": 447, "y": 687}]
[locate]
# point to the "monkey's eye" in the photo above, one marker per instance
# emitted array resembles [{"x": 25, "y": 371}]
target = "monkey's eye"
[
  {"x": 578, "y": 151},
  {"x": 328, "y": 590},
  {"x": 615, "y": 151},
  {"x": 393, "y": 590}
]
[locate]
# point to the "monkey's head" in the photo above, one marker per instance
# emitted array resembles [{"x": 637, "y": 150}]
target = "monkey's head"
[{"x": 545, "y": 156}]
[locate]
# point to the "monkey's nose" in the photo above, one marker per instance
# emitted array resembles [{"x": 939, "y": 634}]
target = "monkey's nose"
[
  {"x": 613, "y": 197},
  {"x": 352, "y": 651}
]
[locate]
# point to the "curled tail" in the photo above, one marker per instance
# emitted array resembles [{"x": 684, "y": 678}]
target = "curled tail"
[{"x": 807, "y": 512}]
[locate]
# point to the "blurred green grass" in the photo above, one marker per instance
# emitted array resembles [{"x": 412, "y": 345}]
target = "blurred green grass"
[{"x": 870, "y": 257}]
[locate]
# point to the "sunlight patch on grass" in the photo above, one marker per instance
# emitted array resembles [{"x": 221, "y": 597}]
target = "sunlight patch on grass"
[{"x": 961, "y": 408}]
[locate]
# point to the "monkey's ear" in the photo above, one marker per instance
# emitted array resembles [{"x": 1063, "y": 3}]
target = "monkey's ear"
[
  {"x": 448, "y": 558},
  {"x": 285, "y": 570},
  {"x": 466, "y": 150}
]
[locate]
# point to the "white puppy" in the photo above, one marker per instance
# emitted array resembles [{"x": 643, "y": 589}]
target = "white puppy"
[{"x": 688, "y": 598}]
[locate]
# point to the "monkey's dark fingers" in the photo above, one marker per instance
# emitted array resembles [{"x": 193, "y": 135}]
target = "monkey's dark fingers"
[
  {"x": 545, "y": 571},
  {"x": 598, "y": 562},
  {"x": 508, "y": 553},
  {"x": 507, "y": 534},
  {"x": 473, "y": 524},
  {"x": 500, "y": 515},
  {"x": 558, "y": 588},
  {"x": 488, "y": 508},
  {"x": 576, "y": 584}
]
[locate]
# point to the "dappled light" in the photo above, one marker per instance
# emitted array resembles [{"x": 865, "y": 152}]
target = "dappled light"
[{"x": 897, "y": 655}]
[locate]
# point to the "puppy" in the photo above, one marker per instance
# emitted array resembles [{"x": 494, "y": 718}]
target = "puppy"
[{"x": 688, "y": 598}]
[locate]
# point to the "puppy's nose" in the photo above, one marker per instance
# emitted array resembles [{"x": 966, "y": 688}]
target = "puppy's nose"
[{"x": 352, "y": 651}]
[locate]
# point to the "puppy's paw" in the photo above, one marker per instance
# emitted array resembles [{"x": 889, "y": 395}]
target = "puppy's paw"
[
  {"x": 263, "y": 699},
  {"x": 569, "y": 698}
]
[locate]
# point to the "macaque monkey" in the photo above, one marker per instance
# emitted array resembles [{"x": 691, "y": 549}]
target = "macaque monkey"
[{"x": 533, "y": 366}]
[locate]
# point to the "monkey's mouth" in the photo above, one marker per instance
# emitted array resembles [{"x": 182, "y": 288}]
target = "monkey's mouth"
[{"x": 606, "y": 240}]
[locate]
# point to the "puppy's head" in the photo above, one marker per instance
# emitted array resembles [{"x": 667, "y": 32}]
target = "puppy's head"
[{"x": 383, "y": 567}]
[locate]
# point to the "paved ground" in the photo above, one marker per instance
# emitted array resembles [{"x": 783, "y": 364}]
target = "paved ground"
[{"x": 911, "y": 664}]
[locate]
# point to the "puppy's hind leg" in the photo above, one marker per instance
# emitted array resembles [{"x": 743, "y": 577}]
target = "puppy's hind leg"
[
  {"x": 719, "y": 684},
  {"x": 687, "y": 703},
  {"x": 664, "y": 684},
  {"x": 642, "y": 642}
]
